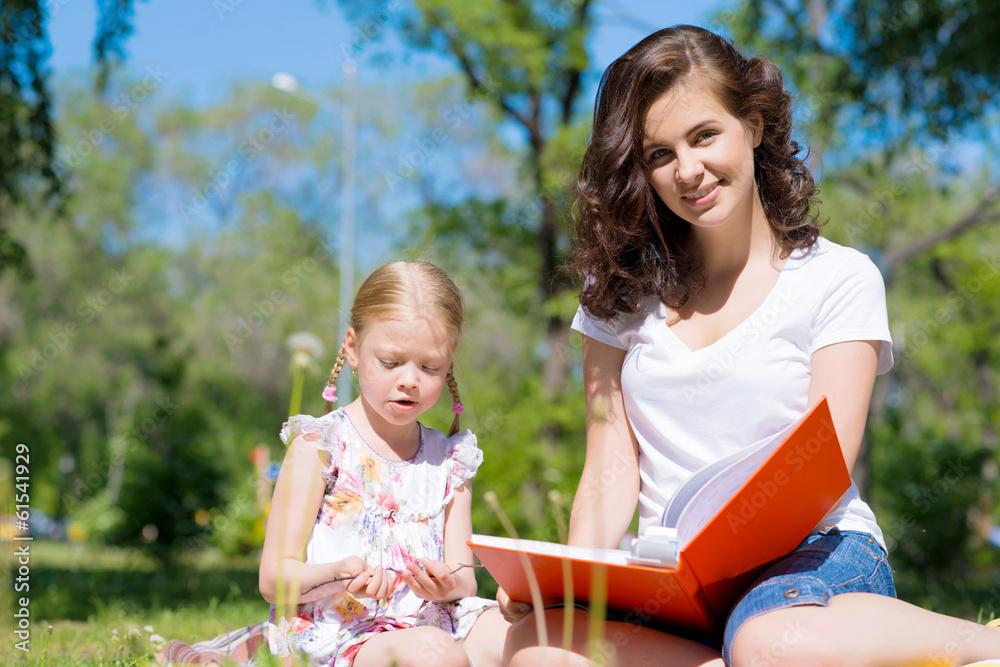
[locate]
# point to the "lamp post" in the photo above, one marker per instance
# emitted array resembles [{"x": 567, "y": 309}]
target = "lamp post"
[{"x": 348, "y": 116}]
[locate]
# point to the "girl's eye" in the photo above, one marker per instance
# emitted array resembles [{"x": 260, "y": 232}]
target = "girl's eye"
[
  {"x": 388, "y": 364},
  {"x": 707, "y": 134},
  {"x": 431, "y": 370}
]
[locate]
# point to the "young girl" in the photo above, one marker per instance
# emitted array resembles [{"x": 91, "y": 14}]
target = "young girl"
[
  {"x": 714, "y": 315},
  {"x": 366, "y": 536}
]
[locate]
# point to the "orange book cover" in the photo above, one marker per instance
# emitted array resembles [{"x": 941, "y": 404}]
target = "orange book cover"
[{"x": 731, "y": 521}]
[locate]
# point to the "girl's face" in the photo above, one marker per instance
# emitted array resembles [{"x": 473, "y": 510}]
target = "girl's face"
[
  {"x": 402, "y": 365},
  {"x": 699, "y": 156}
]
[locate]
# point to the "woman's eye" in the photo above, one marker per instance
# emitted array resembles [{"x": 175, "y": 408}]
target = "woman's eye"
[
  {"x": 708, "y": 134},
  {"x": 659, "y": 154}
]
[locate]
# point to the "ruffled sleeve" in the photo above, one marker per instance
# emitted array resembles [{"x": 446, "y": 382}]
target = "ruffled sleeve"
[
  {"x": 322, "y": 432},
  {"x": 466, "y": 458}
]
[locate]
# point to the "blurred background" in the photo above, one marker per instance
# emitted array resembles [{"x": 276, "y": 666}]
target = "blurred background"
[{"x": 190, "y": 193}]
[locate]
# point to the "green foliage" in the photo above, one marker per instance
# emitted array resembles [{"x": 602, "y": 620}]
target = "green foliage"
[
  {"x": 100, "y": 517},
  {"x": 909, "y": 71},
  {"x": 151, "y": 371},
  {"x": 925, "y": 490},
  {"x": 238, "y": 529},
  {"x": 168, "y": 483},
  {"x": 30, "y": 174}
]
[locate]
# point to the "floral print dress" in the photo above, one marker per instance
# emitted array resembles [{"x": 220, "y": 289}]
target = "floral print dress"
[{"x": 387, "y": 512}]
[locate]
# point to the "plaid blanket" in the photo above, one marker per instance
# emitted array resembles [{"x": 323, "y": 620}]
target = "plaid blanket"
[{"x": 237, "y": 647}]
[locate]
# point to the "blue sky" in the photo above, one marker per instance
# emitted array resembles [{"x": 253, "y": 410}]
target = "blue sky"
[
  {"x": 201, "y": 48},
  {"x": 203, "y": 45}
]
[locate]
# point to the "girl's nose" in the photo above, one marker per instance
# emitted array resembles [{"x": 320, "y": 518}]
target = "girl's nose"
[{"x": 407, "y": 375}]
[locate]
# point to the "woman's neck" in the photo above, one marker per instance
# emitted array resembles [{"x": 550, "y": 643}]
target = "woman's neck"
[{"x": 726, "y": 250}]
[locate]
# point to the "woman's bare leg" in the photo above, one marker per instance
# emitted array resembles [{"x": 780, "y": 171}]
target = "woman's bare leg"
[
  {"x": 865, "y": 630},
  {"x": 622, "y": 644}
]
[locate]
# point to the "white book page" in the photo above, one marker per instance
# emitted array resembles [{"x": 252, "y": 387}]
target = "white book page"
[
  {"x": 677, "y": 505},
  {"x": 608, "y": 556},
  {"x": 710, "y": 498},
  {"x": 702, "y": 496}
]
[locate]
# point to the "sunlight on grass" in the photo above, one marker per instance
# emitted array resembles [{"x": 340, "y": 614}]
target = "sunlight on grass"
[{"x": 110, "y": 606}]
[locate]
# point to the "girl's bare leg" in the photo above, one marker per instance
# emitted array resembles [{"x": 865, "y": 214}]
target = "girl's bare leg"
[
  {"x": 486, "y": 639},
  {"x": 412, "y": 647}
]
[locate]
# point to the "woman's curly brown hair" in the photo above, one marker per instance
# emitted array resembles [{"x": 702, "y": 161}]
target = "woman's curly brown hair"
[{"x": 629, "y": 245}]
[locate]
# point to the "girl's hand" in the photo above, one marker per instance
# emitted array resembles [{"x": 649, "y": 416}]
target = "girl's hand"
[
  {"x": 336, "y": 576},
  {"x": 374, "y": 582},
  {"x": 352, "y": 566},
  {"x": 434, "y": 582},
  {"x": 512, "y": 610}
]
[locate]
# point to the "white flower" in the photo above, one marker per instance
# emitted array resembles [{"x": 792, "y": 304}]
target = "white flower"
[
  {"x": 306, "y": 348},
  {"x": 147, "y": 628}
]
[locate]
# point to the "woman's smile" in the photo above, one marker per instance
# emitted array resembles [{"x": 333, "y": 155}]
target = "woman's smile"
[{"x": 704, "y": 196}]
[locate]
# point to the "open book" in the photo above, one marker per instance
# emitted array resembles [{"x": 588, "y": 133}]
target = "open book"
[{"x": 721, "y": 528}]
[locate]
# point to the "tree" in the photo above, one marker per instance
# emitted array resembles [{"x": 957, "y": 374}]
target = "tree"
[
  {"x": 525, "y": 59},
  {"x": 27, "y": 138},
  {"x": 524, "y": 66},
  {"x": 909, "y": 71}
]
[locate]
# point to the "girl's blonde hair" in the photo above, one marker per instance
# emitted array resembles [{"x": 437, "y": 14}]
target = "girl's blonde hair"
[{"x": 404, "y": 290}]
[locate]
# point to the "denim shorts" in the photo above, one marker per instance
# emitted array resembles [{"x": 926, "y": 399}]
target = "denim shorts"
[{"x": 823, "y": 565}]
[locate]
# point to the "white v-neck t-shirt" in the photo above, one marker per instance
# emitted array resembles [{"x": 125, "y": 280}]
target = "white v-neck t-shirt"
[{"x": 691, "y": 408}]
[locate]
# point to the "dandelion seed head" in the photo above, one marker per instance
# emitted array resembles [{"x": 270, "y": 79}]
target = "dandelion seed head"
[{"x": 305, "y": 348}]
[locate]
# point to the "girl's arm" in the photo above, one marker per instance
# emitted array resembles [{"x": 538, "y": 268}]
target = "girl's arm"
[
  {"x": 294, "y": 507},
  {"x": 609, "y": 486},
  {"x": 438, "y": 583},
  {"x": 845, "y": 374}
]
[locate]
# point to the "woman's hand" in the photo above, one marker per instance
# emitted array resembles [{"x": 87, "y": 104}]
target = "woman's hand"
[
  {"x": 512, "y": 610},
  {"x": 434, "y": 582}
]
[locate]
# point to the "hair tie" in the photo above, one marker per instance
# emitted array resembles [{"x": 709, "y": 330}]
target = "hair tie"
[
  {"x": 330, "y": 393},
  {"x": 457, "y": 407}
]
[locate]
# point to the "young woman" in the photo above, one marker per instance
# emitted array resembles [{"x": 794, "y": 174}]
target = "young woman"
[{"x": 714, "y": 315}]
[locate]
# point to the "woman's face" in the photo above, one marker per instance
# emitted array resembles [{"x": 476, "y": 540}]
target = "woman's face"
[{"x": 699, "y": 156}]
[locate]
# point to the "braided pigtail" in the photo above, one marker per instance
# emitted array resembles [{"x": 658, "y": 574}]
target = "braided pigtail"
[
  {"x": 330, "y": 390},
  {"x": 456, "y": 406}
]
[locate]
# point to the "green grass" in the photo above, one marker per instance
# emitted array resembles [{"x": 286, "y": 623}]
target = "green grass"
[{"x": 100, "y": 602}]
